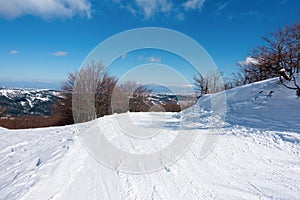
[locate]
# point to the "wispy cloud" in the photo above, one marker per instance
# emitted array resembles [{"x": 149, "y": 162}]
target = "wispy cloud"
[
  {"x": 154, "y": 59},
  {"x": 151, "y": 8},
  {"x": 13, "y": 52},
  {"x": 220, "y": 7},
  {"x": 45, "y": 9},
  {"x": 60, "y": 53},
  {"x": 223, "y": 6},
  {"x": 193, "y": 4}
]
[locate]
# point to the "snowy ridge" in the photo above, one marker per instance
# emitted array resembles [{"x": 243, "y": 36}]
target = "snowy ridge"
[
  {"x": 19, "y": 102},
  {"x": 256, "y": 157},
  {"x": 14, "y": 92}
]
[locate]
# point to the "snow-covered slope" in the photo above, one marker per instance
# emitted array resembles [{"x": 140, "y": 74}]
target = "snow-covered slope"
[
  {"x": 20, "y": 102},
  {"x": 257, "y": 155},
  {"x": 266, "y": 105}
]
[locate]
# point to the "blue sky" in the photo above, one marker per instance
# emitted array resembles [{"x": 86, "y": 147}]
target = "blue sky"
[{"x": 44, "y": 40}]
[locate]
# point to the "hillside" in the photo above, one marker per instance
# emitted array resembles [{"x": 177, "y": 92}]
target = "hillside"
[
  {"x": 255, "y": 155},
  {"x": 22, "y": 102}
]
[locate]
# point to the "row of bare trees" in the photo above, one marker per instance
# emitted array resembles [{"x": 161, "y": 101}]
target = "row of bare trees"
[
  {"x": 92, "y": 93},
  {"x": 279, "y": 56},
  {"x": 209, "y": 83}
]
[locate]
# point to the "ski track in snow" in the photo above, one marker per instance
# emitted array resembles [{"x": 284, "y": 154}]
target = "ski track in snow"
[{"x": 256, "y": 156}]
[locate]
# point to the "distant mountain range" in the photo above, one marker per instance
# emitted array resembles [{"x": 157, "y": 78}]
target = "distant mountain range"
[
  {"x": 39, "y": 102},
  {"x": 22, "y": 102}
]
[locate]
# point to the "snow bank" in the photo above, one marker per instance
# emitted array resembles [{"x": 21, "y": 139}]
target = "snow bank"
[{"x": 266, "y": 105}]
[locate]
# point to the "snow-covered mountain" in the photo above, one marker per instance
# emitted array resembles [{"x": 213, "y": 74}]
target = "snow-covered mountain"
[
  {"x": 256, "y": 154},
  {"x": 18, "y": 102}
]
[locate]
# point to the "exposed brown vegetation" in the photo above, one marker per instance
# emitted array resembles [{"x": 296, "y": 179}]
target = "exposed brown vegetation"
[
  {"x": 172, "y": 107},
  {"x": 31, "y": 122},
  {"x": 2, "y": 111}
]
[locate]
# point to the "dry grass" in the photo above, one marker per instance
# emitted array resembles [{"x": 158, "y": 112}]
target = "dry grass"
[{"x": 25, "y": 122}]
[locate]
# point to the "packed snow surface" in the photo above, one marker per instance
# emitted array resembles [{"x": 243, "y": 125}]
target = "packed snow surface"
[{"x": 256, "y": 155}]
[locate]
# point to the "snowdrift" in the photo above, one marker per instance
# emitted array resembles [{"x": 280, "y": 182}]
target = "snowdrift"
[
  {"x": 256, "y": 156},
  {"x": 267, "y": 105}
]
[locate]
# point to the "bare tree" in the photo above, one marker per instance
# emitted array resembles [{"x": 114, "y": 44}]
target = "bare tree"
[
  {"x": 201, "y": 85},
  {"x": 138, "y": 101},
  {"x": 130, "y": 96},
  {"x": 121, "y": 96},
  {"x": 129, "y": 87},
  {"x": 228, "y": 83},
  {"x": 86, "y": 94},
  {"x": 248, "y": 72},
  {"x": 104, "y": 92},
  {"x": 84, "y": 91},
  {"x": 63, "y": 106},
  {"x": 210, "y": 83}
]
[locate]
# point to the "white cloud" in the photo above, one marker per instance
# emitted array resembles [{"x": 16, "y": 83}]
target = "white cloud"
[
  {"x": 45, "y": 9},
  {"x": 249, "y": 61},
  {"x": 154, "y": 59},
  {"x": 193, "y": 4},
  {"x": 151, "y": 8},
  {"x": 60, "y": 53},
  {"x": 13, "y": 52}
]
